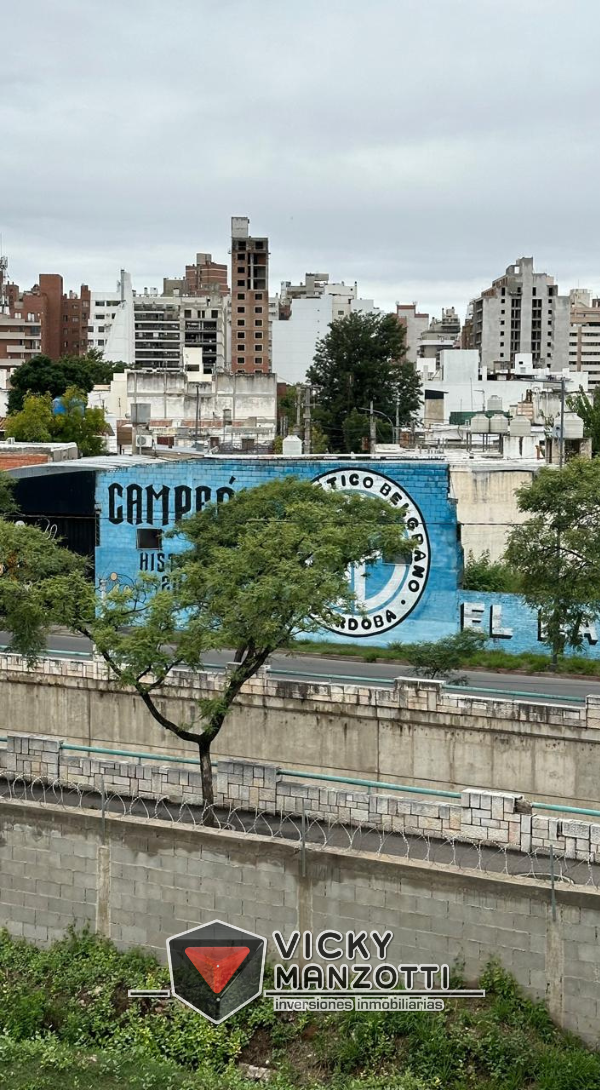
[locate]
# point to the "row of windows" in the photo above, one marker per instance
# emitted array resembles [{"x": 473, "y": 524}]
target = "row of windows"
[{"x": 257, "y": 336}]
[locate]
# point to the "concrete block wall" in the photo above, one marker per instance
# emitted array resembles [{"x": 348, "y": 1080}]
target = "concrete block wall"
[
  {"x": 138, "y": 881},
  {"x": 500, "y": 819},
  {"x": 413, "y": 732}
]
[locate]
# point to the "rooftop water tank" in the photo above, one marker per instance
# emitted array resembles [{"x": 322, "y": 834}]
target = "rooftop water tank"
[
  {"x": 573, "y": 426},
  {"x": 498, "y": 424},
  {"x": 494, "y": 404},
  {"x": 292, "y": 445},
  {"x": 480, "y": 423},
  {"x": 520, "y": 425}
]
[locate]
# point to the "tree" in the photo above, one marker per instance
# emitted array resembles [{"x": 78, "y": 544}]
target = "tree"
[
  {"x": 41, "y": 375},
  {"x": 588, "y": 408},
  {"x": 440, "y": 658},
  {"x": 36, "y": 422},
  {"x": 33, "y": 424},
  {"x": 362, "y": 359},
  {"x": 268, "y": 564},
  {"x": 80, "y": 424},
  {"x": 36, "y": 579},
  {"x": 557, "y": 550}
]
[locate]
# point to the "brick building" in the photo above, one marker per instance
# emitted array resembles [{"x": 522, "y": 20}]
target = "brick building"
[
  {"x": 249, "y": 300},
  {"x": 63, "y": 319}
]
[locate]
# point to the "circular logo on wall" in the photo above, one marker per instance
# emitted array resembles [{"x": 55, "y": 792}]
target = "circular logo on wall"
[{"x": 385, "y": 593}]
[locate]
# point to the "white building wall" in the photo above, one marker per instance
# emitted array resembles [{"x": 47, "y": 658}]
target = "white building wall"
[{"x": 294, "y": 339}]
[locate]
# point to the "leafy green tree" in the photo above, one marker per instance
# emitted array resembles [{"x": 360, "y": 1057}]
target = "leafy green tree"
[
  {"x": 484, "y": 574},
  {"x": 80, "y": 424},
  {"x": 588, "y": 408},
  {"x": 362, "y": 359},
  {"x": 36, "y": 422},
  {"x": 265, "y": 565},
  {"x": 41, "y": 375},
  {"x": 33, "y": 424},
  {"x": 440, "y": 658},
  {"x": 557, "y": 550},
  {"x": 36, "y": 574}
]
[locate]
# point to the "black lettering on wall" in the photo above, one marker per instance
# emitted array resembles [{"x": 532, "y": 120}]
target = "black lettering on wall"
[
  {"x": 152, "y": 495},
  {"x": 115, "y": 510},
  {"x": 134, "y": 504},
  {"x": 183, "y": 501}
]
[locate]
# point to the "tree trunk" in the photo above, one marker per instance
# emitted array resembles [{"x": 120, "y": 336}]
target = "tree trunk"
[{"x": 206, "y": 772}]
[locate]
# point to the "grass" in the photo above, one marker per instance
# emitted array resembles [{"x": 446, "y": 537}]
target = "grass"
[
  {"x": 66, "y": 1022},
  {"x": 526, "y": 662}
]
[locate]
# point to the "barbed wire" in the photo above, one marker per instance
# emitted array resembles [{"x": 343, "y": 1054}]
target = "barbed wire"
[{"x": 310, "y": 832}]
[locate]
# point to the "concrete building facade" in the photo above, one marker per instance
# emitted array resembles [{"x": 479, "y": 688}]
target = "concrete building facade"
[
  {"x": 522, "y": 311},
  {"x": 205, "y": 276},
  {"x": 249, "y": 299},
  {"x": 300, "y": 317},
  {"x": 584, "y": 336}
]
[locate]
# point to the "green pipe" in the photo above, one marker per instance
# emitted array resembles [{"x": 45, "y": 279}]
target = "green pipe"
[
  {"x": 351, "y": 780},
  {"x": 128, "y": 753},
  {"x": 568, "y": 809},
  {"x": 367, "y": 783}
]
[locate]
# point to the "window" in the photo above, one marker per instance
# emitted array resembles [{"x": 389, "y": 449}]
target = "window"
[
  {"x": 100, "y": 329},
  {"x": 258, "y": 336},
  {"x": 99, "y": 302},
  {"x": 241, "y": 284},
  {"x": 241, "y": 310},
  {"x": 241, "y": 336},
  {"x": 258, "y": 310},
  {"x": 241, "y": 294},
  {"x": 241, "y": 321},
  {"x": 258, "y": 360},
  {"x": 100, "y": 341},
  {"x": 149, "y": 539},
  {"x": 258, "y": 321},
  {"x": 241, "y": 269},
  {"x": 258, "y": 295},
  {"x": 340, "y": 312},
  {"x": 240, "y": 359},
  {"x": 214, "y": 314},
  {"x": 187, "y": 314}
]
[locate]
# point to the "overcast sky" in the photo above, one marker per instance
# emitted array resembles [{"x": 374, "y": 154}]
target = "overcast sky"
[{"x": 417, "y": 146}]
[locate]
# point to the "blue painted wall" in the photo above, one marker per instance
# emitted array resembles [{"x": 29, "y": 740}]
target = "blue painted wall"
[{"x": 138, "y": 502}]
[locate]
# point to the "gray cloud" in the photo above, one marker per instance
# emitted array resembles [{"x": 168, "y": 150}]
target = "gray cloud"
[{"x": 418, "y": 148}]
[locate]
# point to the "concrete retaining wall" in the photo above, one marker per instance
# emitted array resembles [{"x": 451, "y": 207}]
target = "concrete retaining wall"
[
  {"x": 413, "y": 732},
  {"x": 139, "y": 881}
]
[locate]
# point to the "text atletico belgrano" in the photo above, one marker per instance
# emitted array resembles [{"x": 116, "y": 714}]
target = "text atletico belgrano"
[{"x": 365, "y": 966}]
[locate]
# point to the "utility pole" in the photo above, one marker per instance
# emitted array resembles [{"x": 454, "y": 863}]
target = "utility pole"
[
  {"x": 298, "y": 407},
  {"x": 397, "y": 430},
  {"x": 372, "y": 430},
  {"x": 307, "y": 394},
  {"x": 197, "y": 409},
  {"x": 561, "y": 453}
]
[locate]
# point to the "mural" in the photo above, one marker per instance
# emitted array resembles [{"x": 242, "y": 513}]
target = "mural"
[{"x": 420, "y": 600}]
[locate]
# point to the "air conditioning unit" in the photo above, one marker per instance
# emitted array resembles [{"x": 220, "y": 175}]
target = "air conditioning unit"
[{"x": 144, "y": 441}]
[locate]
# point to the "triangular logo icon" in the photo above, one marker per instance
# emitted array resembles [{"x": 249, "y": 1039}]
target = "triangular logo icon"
[{"x": 217, "y": 964}]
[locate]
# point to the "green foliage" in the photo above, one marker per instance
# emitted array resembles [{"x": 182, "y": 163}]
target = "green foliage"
[
  {"x": 557, "y": 550},
  {"x": 588, "y": 408},
  {"x": 65, "y": 1020},
  {"x": 484, "y": 574},
  {"x": 355, "y": 430},
  {"x": 362, "y": 359},
  {"x": 41, "y": 375},
  {"x": 36, "y": 423},
  {"x": 439, "y": 659},
  {"x": 33, "y": 423},
  {"x": 37, "y": 580}
]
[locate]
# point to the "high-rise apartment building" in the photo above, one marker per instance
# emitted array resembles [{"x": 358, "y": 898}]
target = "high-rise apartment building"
[
  {"x": 249, "y": 299},
  {"x": 521, "y": 312},
  {"x": 300, "y": 317},
  {"x": 584, "y": 336},
  {"x": 63, "y": 318},
  {"x": 148, "y": 330}
]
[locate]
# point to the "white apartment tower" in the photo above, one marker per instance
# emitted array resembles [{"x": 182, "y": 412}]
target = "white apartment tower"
[{"x": 521, "y": 312}]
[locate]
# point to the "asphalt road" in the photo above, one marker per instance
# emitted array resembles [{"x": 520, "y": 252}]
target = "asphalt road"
[{"x": 557, "y": 688}]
